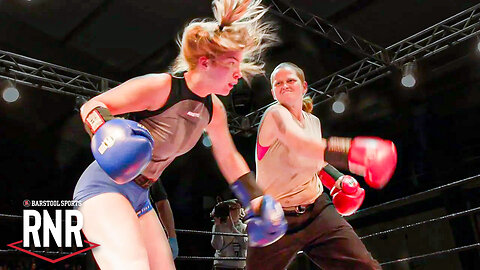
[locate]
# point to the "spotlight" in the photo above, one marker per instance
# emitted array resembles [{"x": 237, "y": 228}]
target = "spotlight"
[
  {"x": 478, "y": 46},
  {"x": 408, "y": 74},
  {"x": 340, "y": 103},
  {"x": 338, "y": 107},
  {"x": 10, "y": 93}
]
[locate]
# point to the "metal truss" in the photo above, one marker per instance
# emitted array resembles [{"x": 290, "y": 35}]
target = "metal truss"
[
  {"x": 320, "y": 26},
  {"x": 423, "y": 44},
  {"x": 50, "y": 77},
  {"x": 456, "y": 29}
]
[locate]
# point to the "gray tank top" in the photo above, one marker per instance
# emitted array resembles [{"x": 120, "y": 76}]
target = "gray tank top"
[{"x": 176, "y": 127}]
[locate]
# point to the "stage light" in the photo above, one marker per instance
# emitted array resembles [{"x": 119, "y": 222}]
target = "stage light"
[
  {"x": 10, "y": 93},
  {"x": 340, "y": 103},
  {"x": 338, "y": 107},
  {"x": 408, "y": 74}
]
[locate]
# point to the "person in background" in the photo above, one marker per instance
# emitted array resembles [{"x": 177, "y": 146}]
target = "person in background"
[{"x": 227, "y": 219}]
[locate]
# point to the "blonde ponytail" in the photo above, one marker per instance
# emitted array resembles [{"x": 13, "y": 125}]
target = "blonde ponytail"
[
  {"x": 307, "y": 104},
  {"x": 237, "y": 27}
]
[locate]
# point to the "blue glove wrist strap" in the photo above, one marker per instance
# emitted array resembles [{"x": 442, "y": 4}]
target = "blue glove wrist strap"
[{"x": 246, "y": 189}]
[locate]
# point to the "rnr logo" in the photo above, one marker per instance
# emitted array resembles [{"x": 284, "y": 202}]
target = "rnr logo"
[
  {"x": 49, "y": 228},
  {"x": 34, "y": 221}
]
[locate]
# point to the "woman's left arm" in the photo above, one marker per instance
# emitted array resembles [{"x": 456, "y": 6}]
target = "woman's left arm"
[
  {"x": 268, "y": 219},
  {"x": 229, "y": 160}
]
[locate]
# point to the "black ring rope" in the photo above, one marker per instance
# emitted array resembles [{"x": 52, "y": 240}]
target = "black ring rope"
[
  {"x": 210, "y": 233},
  {"x": 198, "y": 258},
  {"x": 457, "y": 249},
  {"x": 461, "y": 213},
  {"x": 10, "y": 216},
  {"x": 432, "y": 254},
  {"x": 176, "y": 230},
  {"x": 419, "y": 194}
]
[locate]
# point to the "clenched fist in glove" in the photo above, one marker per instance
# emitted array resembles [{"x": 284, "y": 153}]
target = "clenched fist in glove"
[
  {"x": 371, "y": 157},
  {"x": 347, "y": 195}
]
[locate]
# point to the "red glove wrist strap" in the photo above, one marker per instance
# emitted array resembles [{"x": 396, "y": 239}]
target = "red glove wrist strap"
[
  {"x": 329, "y": 175},
  {"x": 96, "y": 118}
]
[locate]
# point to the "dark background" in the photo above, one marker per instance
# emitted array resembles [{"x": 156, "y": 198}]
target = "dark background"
[{"x": 44, "y": 150}]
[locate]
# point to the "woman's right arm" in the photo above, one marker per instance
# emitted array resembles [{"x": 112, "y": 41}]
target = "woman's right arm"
[
  {"x": 279, "y": 124},
  {"x": 148, "y": 92}
]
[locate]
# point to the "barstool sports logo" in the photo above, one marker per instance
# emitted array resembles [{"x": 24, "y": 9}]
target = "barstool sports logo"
[{"x": 64, "y": 228}]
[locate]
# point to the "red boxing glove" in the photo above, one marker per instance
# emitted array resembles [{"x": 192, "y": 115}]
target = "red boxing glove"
[
  {"x": 371, "y": 157},
  {"x": 349, "y": 198}
]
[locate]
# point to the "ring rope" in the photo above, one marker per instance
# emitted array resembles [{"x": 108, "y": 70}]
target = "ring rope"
[
  {"x": 457, "y": 249},
  {"x": 176, "y": 230},
  {"x": 210, "y": 233},
  {"x": 461, "y": 213},
  {"x": 441, "y": 252},
  {"x": 10, "y": 216},
  {"x": 420, "y": 194},
  {"x": 199, "y": 258},
  {"x": 437, "y": 253}
]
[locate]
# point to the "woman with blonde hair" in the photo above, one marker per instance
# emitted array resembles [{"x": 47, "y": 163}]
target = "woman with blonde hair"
[
  {"x": 171, "y": 111},
  {"x": 291, "y": 161}
]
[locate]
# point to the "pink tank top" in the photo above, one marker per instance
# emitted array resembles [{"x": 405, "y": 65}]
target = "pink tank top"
[{"x": 287, "y": 176}]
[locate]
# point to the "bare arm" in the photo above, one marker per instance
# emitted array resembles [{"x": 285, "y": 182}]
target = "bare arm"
[
  {"x": 279, "y": 124},
  {"x": 166, "y": 217},
  {"x": 231, "y": 163},
  {"x": 148, "y": 92}
]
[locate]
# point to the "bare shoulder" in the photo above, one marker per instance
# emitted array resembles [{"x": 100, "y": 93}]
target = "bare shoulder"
[
  {"x": 271, "y": 122},
  {"x": 160, "y": 80},
  {"x": 277, "y": 114},
  {"x": 159, "y": 85},
  {"x": 276, "y": 107}
]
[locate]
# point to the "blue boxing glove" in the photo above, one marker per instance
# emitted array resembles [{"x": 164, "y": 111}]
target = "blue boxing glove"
[
  {"x": 173, "y": 246},
  {"x": 269, "y": 227},
  {"x": 122, "y": 148},
  {"x": 269, "y": 224}
]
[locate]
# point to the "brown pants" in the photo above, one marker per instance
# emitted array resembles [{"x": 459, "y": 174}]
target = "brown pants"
[{"x": 323, "y": 235}]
